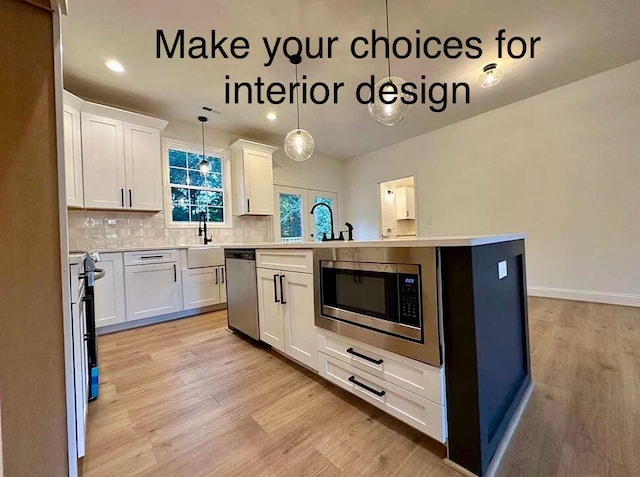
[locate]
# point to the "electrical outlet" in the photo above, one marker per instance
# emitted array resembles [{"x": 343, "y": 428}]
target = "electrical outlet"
[
  {"x": 502, "y": 269},
  {"x": 429, "y": 221}
]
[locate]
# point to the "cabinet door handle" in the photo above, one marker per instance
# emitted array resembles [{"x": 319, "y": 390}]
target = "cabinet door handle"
[
  {"x": 407, "y": 214},
  {"x": 222, "y": 273},
  {"x": 216, "y": 276},
  {"x": 248, "y": 205},
  {"x": 275, "y": 288},
  {"x": 282, "y": 290},
  {"x": 175, "y": 273},
  {"x": 122, "y": 197},
  {"x": 130, "y": 199},
  {"x": 368, "y": 388},
  {"x": 359, "y": 355}
]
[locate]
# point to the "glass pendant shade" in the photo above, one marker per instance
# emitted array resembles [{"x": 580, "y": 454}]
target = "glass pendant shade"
[
  {"x": 392, "y": 110},
  {"x": 204, "y": 166},
  {"x": 299, "y": 145},
  {"x": 490, "y": 76}
]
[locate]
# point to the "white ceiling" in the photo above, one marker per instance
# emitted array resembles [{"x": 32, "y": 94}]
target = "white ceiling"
[{"x": 579, "y": 38}]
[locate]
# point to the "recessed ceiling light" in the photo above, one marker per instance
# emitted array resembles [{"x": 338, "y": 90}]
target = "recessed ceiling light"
[
  {"x": 272, "y": 116},
  {"x": 114, "y": 66}
]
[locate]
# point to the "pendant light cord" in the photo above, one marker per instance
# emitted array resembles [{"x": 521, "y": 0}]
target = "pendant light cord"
[
  {"x": 204, "y": 157},
  {"x": 386, "y": 9},
  {"x": 297, "y": 98}
]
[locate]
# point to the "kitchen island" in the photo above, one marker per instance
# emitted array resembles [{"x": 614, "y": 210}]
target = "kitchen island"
[{"x": 432, "y": 330}]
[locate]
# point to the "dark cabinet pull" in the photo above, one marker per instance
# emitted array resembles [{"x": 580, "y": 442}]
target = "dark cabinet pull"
[
  {"x": 282, "y": 290},
  {"x": 368, "y": 388},
  {"x": 248, "y": 205},
  {"x": 122, "y": 197},
  {"x": 150, "y": 257},
  {"x": 359, "y": 355},
  {"x": 130, "y": 199},
  {"x": 216, "y": 276},
  {"x": 222, "y": 273},
  {"x": 175, "y": 273},
  {"x": 275, "y": 288}
]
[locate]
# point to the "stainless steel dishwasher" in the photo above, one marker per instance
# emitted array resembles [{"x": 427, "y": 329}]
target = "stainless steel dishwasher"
[{"x": 242, "y": 291}]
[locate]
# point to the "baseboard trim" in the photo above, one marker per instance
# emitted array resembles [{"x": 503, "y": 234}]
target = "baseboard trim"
[
  {"x": 584, "y": 295},
  {"x": 129, "y": 325}
]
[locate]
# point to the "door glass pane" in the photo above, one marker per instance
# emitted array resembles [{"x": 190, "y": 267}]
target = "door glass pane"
[
  {"x": 290, "y": 217},
  {"x": 322, "y": 218}
]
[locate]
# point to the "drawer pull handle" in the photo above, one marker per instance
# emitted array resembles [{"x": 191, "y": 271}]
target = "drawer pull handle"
[
  {"x": 368, "y": 388},
  {"x": 371, "y": 360},
  {"x": 151, "y": 257}
]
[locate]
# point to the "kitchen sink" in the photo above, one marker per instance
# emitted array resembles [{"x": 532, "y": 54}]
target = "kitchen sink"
[{"x": 205, "y": 256}]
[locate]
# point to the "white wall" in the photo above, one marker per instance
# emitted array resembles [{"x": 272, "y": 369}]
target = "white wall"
[{"x": 563, "y": 167}]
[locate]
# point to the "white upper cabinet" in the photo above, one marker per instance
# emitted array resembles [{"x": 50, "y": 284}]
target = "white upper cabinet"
[
  {"x": 143, "y": 164},
  {"x": 73, "y": 156},
  {"x": 252, "y": 168},
  {"x": 405, "y": 203},
  {"x": 113, "y": 157},
  {"x": 103, "y": 162}
]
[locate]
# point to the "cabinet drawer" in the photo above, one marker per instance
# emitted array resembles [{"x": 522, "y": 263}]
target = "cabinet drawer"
[
  {"x": 291, "y": 260},
  {"x": 142, "y": 257},
  {"x": 418, "y": 412},
  {"x": 415, "y": 376}
]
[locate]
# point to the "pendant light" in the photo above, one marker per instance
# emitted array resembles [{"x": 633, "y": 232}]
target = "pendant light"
[
  {"x": 204, "y": 165},
  {"x": 392, "y": 110},
  {"x": 298, "y": 144}
]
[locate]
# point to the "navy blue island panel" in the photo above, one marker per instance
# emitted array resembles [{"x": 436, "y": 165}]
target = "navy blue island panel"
[{"x": 486, "y": 341}]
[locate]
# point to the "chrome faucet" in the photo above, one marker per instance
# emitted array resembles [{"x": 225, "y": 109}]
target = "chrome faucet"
[{"x": 202, "y": 228}]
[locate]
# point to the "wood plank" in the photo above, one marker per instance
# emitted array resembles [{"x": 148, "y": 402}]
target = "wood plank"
[{"x": 208, "y": 402}]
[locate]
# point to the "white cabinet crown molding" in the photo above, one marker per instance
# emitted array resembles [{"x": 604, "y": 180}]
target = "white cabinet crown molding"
[{"x": 113, "y": 113}]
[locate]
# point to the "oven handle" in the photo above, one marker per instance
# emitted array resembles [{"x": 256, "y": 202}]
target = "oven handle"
[
  {"x": 355, "y": 353},
  {"x": 368, "y": 388}
]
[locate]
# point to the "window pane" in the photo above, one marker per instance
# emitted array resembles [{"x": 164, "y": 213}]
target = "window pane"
[
  {"x": 179, "y": 205},
  {"x": 178, "y": 176},
  {"x": 323, "y": 218},
  {"x": 195, "y": 212},
  {"x": 216, "y": 164},
  {"x": 211, "y": 180},
  {"x": 177, "y": 158},
  {"x": 194, "y": 160},
  {"x": 216, "y": 214},
  {"x": 204, "y": 198},
  {"x": 290, "y": 216}
]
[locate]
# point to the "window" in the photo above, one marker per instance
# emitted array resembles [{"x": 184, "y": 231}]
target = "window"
[
  {"x": 191, "y": 192},
  {"x": 293, "y": 221}
]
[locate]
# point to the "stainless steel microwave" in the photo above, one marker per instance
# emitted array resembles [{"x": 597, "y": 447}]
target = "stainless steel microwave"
[{"x": 384, "y": 296}]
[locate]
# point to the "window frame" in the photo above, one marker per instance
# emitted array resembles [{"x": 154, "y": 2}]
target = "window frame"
[{"x": 227, "y": 208}]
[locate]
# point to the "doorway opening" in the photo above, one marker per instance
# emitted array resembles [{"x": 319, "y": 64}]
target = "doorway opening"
[
  {"x": 294, "y": 223},
  {"x": 398, "y": 218}
]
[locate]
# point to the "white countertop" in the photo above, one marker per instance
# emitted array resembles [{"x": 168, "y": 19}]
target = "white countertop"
[{"x": 444, "y": 241}]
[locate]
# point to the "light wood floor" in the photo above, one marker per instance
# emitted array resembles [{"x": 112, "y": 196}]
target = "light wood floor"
[{"x": 188, "y": 398}]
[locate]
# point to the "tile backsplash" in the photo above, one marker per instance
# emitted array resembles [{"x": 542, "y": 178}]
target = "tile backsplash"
[{"x": 97, "y": 229}]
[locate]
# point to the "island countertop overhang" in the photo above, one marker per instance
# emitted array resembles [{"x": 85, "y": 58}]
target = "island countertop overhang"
[{"x": 443, "y": 241}]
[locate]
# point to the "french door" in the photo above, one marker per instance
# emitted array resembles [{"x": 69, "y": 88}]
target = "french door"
[{"x": 294, "y": 223}]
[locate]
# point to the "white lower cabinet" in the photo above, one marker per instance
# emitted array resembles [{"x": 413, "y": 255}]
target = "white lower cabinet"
[
  {"x": 152, "y": 290},
  {"x": 271, "y": 313},
  {"x": 417, "y": 411},
  {"x": 203, "y": 287},
  {"x": 300, "y": 340},
  {"x": 109, "y": 291},
  {"x": 286, "y": 312}
]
